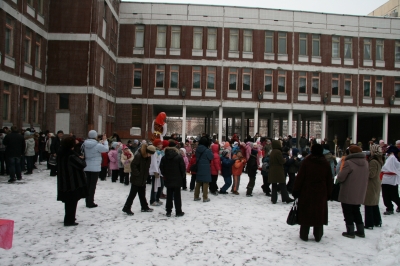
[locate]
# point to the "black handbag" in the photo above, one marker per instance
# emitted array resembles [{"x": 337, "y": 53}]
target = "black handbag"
[
  {"x": 292, "y": 217},
  {"x": 53, "y": 160},
  {"x": 335, "y": 192}
]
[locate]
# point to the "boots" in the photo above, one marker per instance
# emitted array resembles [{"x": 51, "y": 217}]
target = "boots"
[
  {"x": 304, "y": 231},
  {"x": 350, "y": 231},
  {"x": 360, "y": 230},
  {"x": 127, "y": 210}
]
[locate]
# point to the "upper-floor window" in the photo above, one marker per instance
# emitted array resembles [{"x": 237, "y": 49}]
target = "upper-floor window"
[
  {"x": 160, "y": 76},
  {"x": 40, "y": 6},
  {"x": 247, "y": 41},
  {"x": 196, "y": 80},
  {"x": 176, "y": 37},
  {"x": 211, "y": 78},
  {"x": 232, "y": 78},
  {"x": 28, "y": 45},
  {"x": 335, "y": 84},
  {"x": 137, "y": 76},
  {"x": 268, "y": 80},
  {"x": 30, "y": 2},
  {"x": 139, "y": 36},
  {"x": 161, "y": 36},
  {"x": 25, "y": 105},
  {"x": 9, "y": 47},
  {"x": 35, "y": 107},
  {"x": 37, "y": 51},
  {"x": 63, "y": 101},
  {"x": 302, "y": 44},
  {"x": 348, "y": 47},
  {"x": 233, "y": 39},
  {"x": 269, "y": 42},
  {"x": 6, "y": 102},
  {"x": 197, "y": 38},
  {"x": 397, "y": 87},
  {"x": 315, "y": 83},
  {"x": 302, "y": 82},
  {"x": 315, "y": 45},
  {"x": 246, "y": 79},
  {"x": 367, "y": 49},
  {"x": 379, "y": 50},
  {"x": 282, "y": 36},
  {"x": 282, "y": 81},
  {"x": 211, "y": 39},
  {"x": 335, "y": 46},
  {"x": 379, "y": 86},
  {"x": 174, "y": 77},
  {"x": 367, "y": 86},
  {"x": 347, "y": 85}
]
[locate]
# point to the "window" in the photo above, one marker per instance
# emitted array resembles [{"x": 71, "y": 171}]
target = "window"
[
  {"x": 160, "y": 73},
  {"x": 211, "y": 78},
  {"x": 211, "y": 39},
  {"x": 174, "y": 77},
  {"x": 137, "y": 76},
  {"x": 282, "y": 43},
  {"x": 6, "y": 102},
  {"x": 335, "y": 47},
  {"x": 30, "y": 2},
  {"x": 139, "y": 36},
  {"x": 28, "y": 44},
  {"x": 367, "y": 86},
  {"x": 268, "y": 80},
  {"x": 348, "y": 46},
  {"x": 335, "y": 84},
  {"x": 269, "y": 42},
  {"x": 25, "y": 105},
  {"x": 303, "y": 44},
  {"x": 197, "y": 38},
  {"x": 161, "y": 36},
  {"x": 176, "y": 37},
  {"x": 315, "y": 45},
  {"x": 379, "y": 50},
  {"x": 111, "y": 78},
  {"x": 347, "y": 85},
  {"x": 196, "y": 77},
  {"x": 102, "y": 69},
  {"x": 35, "y": 106},
  {"x": 367, "y": 49},
  {"x": 397, "y": 87},
  {"x": 233, "y": 39},
  {"x": 9, "y": 36},
  {"x": 40, "y": 6},
  {"x": 37, "y": 51},
  {"x": 302, "y": 82},
  {"x": 378, "y": 86},
  {"x": 282, "y": 81},
  {"x": 232, "y": 78},
  {"x": 315, "y": 83},
  {"x": 246, "y": 80},
  {"x": 110, "y": 108},
  {"x": 247, "y": 41},
  {"x": 63, "y": 101},
  {"x": 397, "y": 51}
]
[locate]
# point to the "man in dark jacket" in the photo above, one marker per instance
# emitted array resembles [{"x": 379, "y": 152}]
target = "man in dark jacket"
[
  {"x": 173, "y": 170},
  {"x": 55, "y": 145},
  {"x": 15, "y": 148}
]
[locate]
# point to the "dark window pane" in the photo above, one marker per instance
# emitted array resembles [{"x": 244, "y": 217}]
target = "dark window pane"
[
  {"x": 174, "y": 80},
  {"x": 159, "y": 79},
  {"x": 64, "y": 101},
  {"x": 232, "y": 81},
  {"x": 196, "y": 80},
  {"x": 137, "y": 80}
]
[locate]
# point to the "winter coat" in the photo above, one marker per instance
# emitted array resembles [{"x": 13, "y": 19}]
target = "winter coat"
[
  {"x": 29, "y": 146},
  {"x": 313, "y": 187},
  {"x": 216, "y": 161},
  {"x": 226, "y": 166},
  {"x": 303, "y": 142},
  {"x": 119, "y": 152},
  {"x": 286, "y": 164},
  {"x": 330, "y": 158},
  {"x": 353, "y": 179},
  {"x": 172, "y": 168},
  {"x": 15, "y": 144},
  {"x": 71, "y": 179},
  {"x": 374, "y": 183},
  {"x": 265, "y": 160},
  {"x": 140, "y": 167},
  {"x": 276, "y": 162},
  {"x": 104, "y": 159},
  {"x": 249, "y": 146},
  {"x": 252, "y": 166},
  {"x": 127, "y": 162},
  {"x": 113, "y": 156},
  {"x": 155, "y": 162},
  {"x": 55, "y": 144},
  {"x": 237, "y": 168},
  {"x": 93, "y": 150},
  {"x": 204, "y": 169},
  {"x": 294, "y": 165},
  {"x": 191, "y": 162},
  {"x": 2, "y": 146}
]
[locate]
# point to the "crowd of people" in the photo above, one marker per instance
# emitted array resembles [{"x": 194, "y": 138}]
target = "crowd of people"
[{"x": 308, "y": 174}]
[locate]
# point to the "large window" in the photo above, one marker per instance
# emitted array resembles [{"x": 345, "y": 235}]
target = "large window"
[
  {"x": 247, "y": 41},
  {"x": 367, "y": 49},
  {"x": 315, "y": 45},
  {"x": 348, "y": 47},
  {"x": 176, "y": 37},
  {"x": 335, "y": 46},
  {"x": 302, "y": 82},
  {"x": 160, "y": 76},
  {"x": 30, "y": 2},
  {"x": 282, "y": 81},
  {"x": 196, "y": 84},
  {"x": 28, "y": 45},
  {"x": 174, "y": 80},
  {"x": 367, "y": 86},
  {"x": 161, "y": 36},
  {"x": 40, "y": 6},
  {"x": 37, "y": 51},
  {"x": 269, "y": 42},
  {"x": 232, "y": 78},
  {"x": 197, "y": 38},
  {"x": 63, "y": 101},
  {"x": 397, "y": 87},
  {"x": 6, "y": 102},
  {"x": 137, "y": 76},
  {"x": 397, "y": 51},
  {"x": 379, "y": 86},
  {"x": 268, "y": 80},
  {"x": 282, "y": 43},
  {"x": 211, "y": 78},
  {"x": 347, "y": 85},
  {"x": 211, "y": 39},
  {"x": 25, "y": 105},
  {"x": 139, "y": 36},
  {"x": 335, "y": 84},
  {"x": 9, "y": 36},
  {"x": 315, "y": 83},
  {"x": 246, "y": 79},
  {"x": 302, "y": 44},
  {"x": 379, "y": 50},
  {"x": 35, "y": 111},
  {"x": 233, "y": 40}
]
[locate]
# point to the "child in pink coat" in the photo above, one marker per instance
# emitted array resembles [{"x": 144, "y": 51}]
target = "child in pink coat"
[{"x": 113, "y": 156}]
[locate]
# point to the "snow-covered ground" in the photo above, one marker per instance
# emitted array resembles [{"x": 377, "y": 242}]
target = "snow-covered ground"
[{"x": 228, "y": 230}]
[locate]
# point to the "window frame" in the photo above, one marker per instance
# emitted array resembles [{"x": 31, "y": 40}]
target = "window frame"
[
  {"x": 137, "y": 68},
  {"x": 348, "y": 41},
  {"x": 315, "y": 76},
  {"x": 10, "y": 24},
  {"x": 35, "y": 107},
  {"x": 316, "y": 38},
  {"x": 336, "y": 40},
  {"x": 335, "y": 78},
  {"x": 367, "y": 79},
  {"x": 6, "y": 91},
  {"x": 246, "y": 74},
  {"x": 161, "y": 31},
  {"x": 348, "y": 78},
  {"x": 282, "y": 75},
  {"x": 271, "y": 36},
  {"x": 303, "y": 39},
  {"x": 378, "y": 79},
  {"x": 198, "y": 31},
  {"x": 268, "y": 73},
  {"x": 28, "y": 46},
  {"x": 380, "y": 42},
  {"x": 139, "y": 29},
  {"x": 233, "y": 33},
  {"x": 176, "y": 37},
  {"x": 25, "y": 109},
  {"x": 233, "y": 71},
  {"x": 280, "y": 38},
  {"x": 160, "y": 69},
  {"x": 38, "y": 46},
  {"x": 397, "y": 83},
  {"x": 211, "y": 71},
  {"x": 248, "y": 35},
  {"x": 196, "y": 71},
  {"x": 40, "y": 7},
  {"x": 174, "y": 69},
  {"x": 211, "y": 31},
  {"x": 302, "y": 75},
  {"x": 367, "y": 43}
]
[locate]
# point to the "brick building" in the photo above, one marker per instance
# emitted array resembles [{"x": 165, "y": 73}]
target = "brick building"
[{"x": 110, "y": 66}]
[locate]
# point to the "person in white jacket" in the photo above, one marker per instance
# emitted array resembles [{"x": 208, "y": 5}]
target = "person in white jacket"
[
  {"x": 154, "y": 172},
  {"x": 92, "y": 151},
  {"x": 390, "y": 181},
  {"x": 29, "y": 152}
]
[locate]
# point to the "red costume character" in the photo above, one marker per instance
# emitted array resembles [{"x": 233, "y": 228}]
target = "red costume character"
[{"x": 159, "y": 127}]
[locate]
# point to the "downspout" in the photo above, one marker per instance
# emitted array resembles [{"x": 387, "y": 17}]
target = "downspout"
[
  {"x": 19, "y": 121},
  {"x": 88, "y": 69}
]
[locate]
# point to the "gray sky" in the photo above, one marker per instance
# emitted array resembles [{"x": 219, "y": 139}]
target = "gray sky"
[{"x": 353, "y": 7}]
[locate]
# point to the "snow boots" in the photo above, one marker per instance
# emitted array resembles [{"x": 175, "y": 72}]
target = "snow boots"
[{"x": 350, "y": 231}]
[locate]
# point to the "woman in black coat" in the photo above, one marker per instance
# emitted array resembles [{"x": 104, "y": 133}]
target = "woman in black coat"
[{"x": 71, "y": 180}]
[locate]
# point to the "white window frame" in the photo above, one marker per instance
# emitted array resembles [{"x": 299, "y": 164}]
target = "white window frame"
[
  {"x": 246, "y": 74},
  {"x": 335, "y": 78},
  {"x": 211, "y": 72},
  {"x": 161, "y": 36},
  {"x": 233, "y": 40},
  {"x": 247, "y": 41},
  {"x": 268, "y": 73},
  {"x": 211, "y": 42},
  {"x": 315, "y": 78},
  {"x": 176, "y": 37},
  {"x": 303, "y": 40},
  {"x": 378, "y": 80},
  {"x": 139, "y": 36},
  {"x": 197, "y": 38},
  {"x": 336, "y": 40},
  {"x": 303, "y": 75}
]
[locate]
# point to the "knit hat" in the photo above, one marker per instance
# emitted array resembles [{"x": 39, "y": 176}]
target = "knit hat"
[
  {"x": 157, "y": 142},
  {"x": 27, "y": 133},
  {"x": 129, "y": 141},
  {"x": 354, "y": 149},
  {"x": 235, "y": 144},
  {"x": 92, "y": 134},
  {"x": 135, "y": 141},
  {"x": 224, "y": 153},
  {"x": 124, "y": 147},
  {"x": 172, "y": 143},
  {"x": 114, "y": 145},
  {"x": 254, "y": 152},
  {"x": 165, "y": 144},
  {"x": 151, "y": 149},
  {"x": 376, "y": 149}
]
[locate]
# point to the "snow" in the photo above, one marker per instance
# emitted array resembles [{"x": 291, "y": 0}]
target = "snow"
[{"x": 228, "y": 230}]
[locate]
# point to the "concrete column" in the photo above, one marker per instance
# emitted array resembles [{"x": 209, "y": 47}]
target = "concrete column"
[
  {"x": 242, "y": 129},
  {"x": 255, "y": 121},
  {"x": 233, "y": 126},
  {"x": 290, "y": 122},
  {"x": 220, "y": 118},
  {"x": 385, "y": 128},
  {"x": 183, "y": 123},
  {"x": 271, "y": 126},
  {"x": 303, "y": 130},
  {"x": 281, "y": 127},
  {"x": 298, "y": 130},
  {"x": 227, "y": 128},
  {"x": 213, "y": 131},
  {"x": 323, "y": 124},
  {"x": 354, "y": 128}
]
